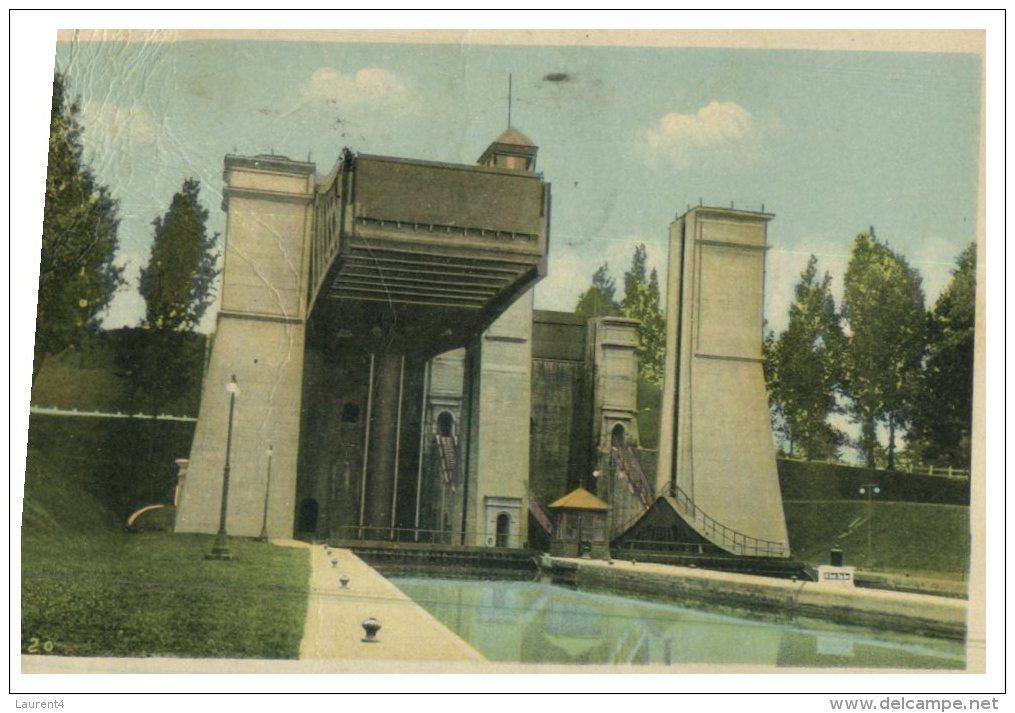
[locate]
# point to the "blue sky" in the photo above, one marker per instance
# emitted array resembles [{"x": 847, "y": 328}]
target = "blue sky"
[{"x": 831, "y": 142}]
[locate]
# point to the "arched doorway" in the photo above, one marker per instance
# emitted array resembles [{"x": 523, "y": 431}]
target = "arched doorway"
[
  {"x": 306, "y": 520},
  {"x": 445, "y": 424},
  {"x": 617, "y": 435},
  {"x": 503, "y": 529}
]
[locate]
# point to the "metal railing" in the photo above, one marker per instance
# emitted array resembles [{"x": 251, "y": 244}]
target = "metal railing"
[
  {"x": 631, "y": 466},
  {"x": 324, "y": 243},
  {"x": 55, "y": 411},
  {"x": 472, "y": 538},
  {"x": 936, "y": 470},
  {"x": 540, "y": 513},
  {"x": 714, "y": 531},
  {"x": 666, "y": 546},
  {"x": 447, "y": 449},
  {"x": 942, "y": 471}
]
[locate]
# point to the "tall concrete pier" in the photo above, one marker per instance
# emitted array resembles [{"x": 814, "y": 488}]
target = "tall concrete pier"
[
  {"x": 716, "y": 461},
  {"x": 259, "y": 338}
]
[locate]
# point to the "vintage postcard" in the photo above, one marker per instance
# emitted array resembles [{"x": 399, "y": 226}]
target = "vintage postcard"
[{"x": 447, "y": 351}]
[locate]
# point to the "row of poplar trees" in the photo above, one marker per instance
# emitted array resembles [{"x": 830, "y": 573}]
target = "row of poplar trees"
[
  {"x": 79, "y": 274},
  {"x": 899, "y": 372}
]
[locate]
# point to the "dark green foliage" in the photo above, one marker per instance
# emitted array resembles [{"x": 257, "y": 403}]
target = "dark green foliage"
[
  {"x": 96, "y": 376},
  {"x": 942, "y": 419},
  {"x": 160, "y": 370},
  {"x": 599, "y": 300},
  {"x": 650, "y": 402},
  {"x": 155, "y": 595},
  {"x": 77, "y": 276},
  {"x": 176, "y": 285},
  {"x": 883, "y": 308},
  {"x": 802, "y": 369},
  {"x": 641, "y": 302},
  {"x": 886, "y": 362}
]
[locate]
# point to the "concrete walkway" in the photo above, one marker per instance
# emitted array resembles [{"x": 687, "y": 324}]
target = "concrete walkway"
[{"x": 334, "y": 615}]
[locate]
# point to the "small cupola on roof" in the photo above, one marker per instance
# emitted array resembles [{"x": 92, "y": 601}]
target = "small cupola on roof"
[{"x": 511, "y": 150}]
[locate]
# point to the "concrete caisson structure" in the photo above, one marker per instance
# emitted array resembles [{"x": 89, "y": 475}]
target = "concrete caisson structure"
[
  {"x": 379, "y": 322},
  {"x": 337, "y": 293},
  {"x": 716, "y": 460}
]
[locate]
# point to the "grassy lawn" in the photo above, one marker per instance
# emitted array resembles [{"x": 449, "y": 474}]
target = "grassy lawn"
[
  {"x": 154, "y": 594},
  {"x": 89, "y": 589},
  {"x": 915, "y": 538}
]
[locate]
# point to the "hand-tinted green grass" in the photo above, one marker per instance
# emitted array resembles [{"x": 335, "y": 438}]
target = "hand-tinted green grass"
[
  {"x": 904, "y": 537},
  {"x": 154, "y": 594}
]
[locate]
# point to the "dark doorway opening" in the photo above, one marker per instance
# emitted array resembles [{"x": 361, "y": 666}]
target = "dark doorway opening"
[
  {"x": 618, "y": 435},
  {"x": 503, "y": 529},
  {"x": 445, "y": 424}
]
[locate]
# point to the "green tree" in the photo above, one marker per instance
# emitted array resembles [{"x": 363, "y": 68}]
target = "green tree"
[
  {"x": 177, "y": 287},
  {"x": 802, "y": 369},
  {"x": 641, "y": 302},
  {"x": 600, "y": 299},
  {"x": 77, "y": 276},
  {"x": 942, "y": 420},
  {"x": 176, "y": 284},
  {"x": 883, "y": 308}
]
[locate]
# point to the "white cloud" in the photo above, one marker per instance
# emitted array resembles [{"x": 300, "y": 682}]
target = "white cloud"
[
  {"x": 370, "y": 85},
  {"x": 131, "y": 123},
  {"x": 719, "y": 128}
]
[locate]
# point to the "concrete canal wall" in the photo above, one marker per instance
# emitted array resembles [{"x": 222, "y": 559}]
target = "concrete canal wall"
[{"x": 783, "y": 599}]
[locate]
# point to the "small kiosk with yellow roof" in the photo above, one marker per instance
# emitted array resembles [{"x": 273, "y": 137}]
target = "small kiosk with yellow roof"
[{"x": 579, "y": 525}]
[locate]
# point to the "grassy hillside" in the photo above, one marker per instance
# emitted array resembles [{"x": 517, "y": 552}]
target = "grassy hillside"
[
  {"x": 121, "y": 464},
  {"x": 60, "y": 501},
  {"x": 90, "y": 589},
  {"x": 913, "y": 538},
  {"x": 813, "y": 480}
]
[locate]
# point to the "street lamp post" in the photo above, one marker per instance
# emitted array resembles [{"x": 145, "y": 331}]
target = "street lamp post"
[
  {"x": 220, "y": 550},
  {"x": 870, "y": 490},
  {"x": 596, "y": 475},
  {"x": 263, "y": 537}
]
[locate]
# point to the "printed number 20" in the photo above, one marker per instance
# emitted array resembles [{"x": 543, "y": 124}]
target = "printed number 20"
[{"x": 35, "y": 646}]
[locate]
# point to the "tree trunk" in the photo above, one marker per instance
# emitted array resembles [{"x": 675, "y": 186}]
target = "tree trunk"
[{"x": 868, "y": 439}]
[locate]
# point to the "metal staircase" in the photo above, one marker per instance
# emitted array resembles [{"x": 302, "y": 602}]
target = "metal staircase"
[
  {"x": 629, "y": 467},
  {"x": 447, "y": 451}
]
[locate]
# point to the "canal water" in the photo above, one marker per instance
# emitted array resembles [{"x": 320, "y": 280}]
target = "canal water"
[{"x": 532, "y": 622}]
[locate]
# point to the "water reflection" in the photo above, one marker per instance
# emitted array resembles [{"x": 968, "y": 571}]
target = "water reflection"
[{"x": 532, "y": 622}]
